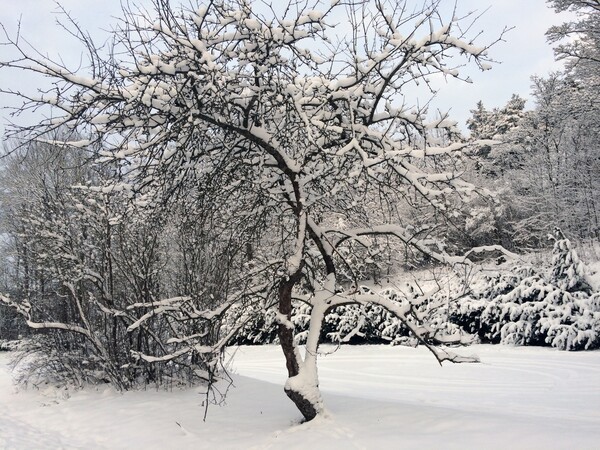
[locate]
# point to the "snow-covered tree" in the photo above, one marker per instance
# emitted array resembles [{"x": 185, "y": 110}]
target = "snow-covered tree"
[
  {"x": 481, "y": 122},
  {"x": 293, "y": 139},
  {"x": 484, "y": 124},
  {"x": 582, "y": 35},
  {"x": 553, "y": 305},
  {"x": 542, "y": 163},
  {"x": 553, "y": 179}
]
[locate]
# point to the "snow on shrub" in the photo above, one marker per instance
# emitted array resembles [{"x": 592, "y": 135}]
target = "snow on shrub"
[
  {"x": 568, "y": 272},
  {"x": 8, "y": 345},
  {"x": 359, "y": 323},
  {"x": 553, "y": 306},
  {"x": 531, "y": 306}
]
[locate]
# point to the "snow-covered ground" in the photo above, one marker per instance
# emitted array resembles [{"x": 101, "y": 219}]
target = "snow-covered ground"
[{"x": 377, "y": 397}]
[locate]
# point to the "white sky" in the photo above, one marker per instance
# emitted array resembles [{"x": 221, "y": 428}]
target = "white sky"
[{"x": 525, "y": 52}]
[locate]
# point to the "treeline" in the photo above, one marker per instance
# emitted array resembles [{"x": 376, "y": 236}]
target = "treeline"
[{"x": 545, "y": 165}]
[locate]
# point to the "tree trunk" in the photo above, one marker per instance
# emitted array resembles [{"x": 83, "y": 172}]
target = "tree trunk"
[{"x": 309, "y": 406}]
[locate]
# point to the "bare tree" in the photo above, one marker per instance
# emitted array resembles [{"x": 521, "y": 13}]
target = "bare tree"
[
  {"x": 80, "y": 259},
  {"x": 582, "y": 35},
  {"x": 290, "y": 138}
]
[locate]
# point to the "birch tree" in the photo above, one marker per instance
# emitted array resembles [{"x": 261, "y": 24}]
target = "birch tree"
[{"x": 291, "y": 130}]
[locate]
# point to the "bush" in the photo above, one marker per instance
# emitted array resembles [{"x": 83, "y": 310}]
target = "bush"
[
  {"x": 8, "y": 346},
  {"x": 530, "y": 306},
  {"x": 358, "y": 323}
]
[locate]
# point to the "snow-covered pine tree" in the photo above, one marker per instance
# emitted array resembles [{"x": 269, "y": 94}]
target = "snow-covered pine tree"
[
  {"x": 568, "y": 271},
  {"x": 553, "y": 306},
  {"x": 481, "y": 124}
]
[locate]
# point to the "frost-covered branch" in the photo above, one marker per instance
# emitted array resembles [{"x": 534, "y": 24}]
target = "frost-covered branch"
[{"x": 279, "y": 143}]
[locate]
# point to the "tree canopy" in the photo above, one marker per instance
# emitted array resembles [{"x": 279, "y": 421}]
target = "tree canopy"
[{"x": 292, "y": 143}]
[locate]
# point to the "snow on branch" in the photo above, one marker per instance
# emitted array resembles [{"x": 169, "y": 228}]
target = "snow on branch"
[
  {"x": 24, "y": 309},
  {"x": 424, "y": 245},
  {"x": 328, "y": 298}
]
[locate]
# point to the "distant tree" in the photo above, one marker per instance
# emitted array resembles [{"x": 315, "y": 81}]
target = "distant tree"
[
  {"x": 582, "y": 34},
  {"x": 510, "y": 115},
  {"x": 499, "y": 124},
  {"x": 481, "y": 124},
  {"x": 563, "y": 135},
  {"x": 485, "y": 124},
  {"x": 499, "y": 154},
  {"x": 543, "y": 162},
  {"x": 291, "y": 142}
]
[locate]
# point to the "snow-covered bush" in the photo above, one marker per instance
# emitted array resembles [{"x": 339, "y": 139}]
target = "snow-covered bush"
[
  {"x": 530, "y": 306},
  {"x": 8, "y": 346},
  {"x": 568, "y": 272},
  {"x": 82, "y": 266},
  {"x": 526, "y": 305},
  {"x": 359, "y": 324},
  {"x": 362, "y": 324}
]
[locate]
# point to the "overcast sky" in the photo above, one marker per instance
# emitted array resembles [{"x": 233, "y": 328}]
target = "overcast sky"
[{"x": 524, "y": 53}]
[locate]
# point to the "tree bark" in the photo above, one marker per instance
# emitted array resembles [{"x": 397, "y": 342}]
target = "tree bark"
[{"x": 286, "y": 339}]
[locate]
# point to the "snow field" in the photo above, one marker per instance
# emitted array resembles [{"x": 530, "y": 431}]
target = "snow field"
[{"x": 376, "y": 397}]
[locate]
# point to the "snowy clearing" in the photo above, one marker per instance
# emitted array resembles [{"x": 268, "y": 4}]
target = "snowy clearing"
[{"x": 377, "y": 397}]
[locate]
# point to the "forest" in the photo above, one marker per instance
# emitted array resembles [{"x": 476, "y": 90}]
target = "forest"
[{"x": 232, "y": 174}]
